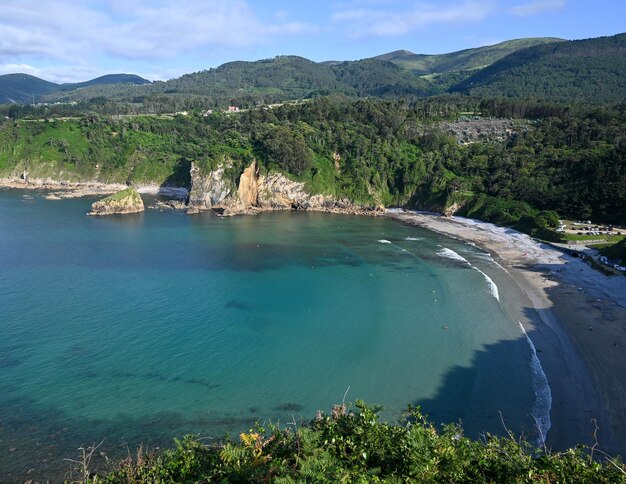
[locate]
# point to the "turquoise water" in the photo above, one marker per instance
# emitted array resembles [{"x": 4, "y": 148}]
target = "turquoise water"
[{"x": 142, "y": 327}]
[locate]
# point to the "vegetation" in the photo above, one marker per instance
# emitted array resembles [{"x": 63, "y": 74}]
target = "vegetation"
[
  {"x": 562, "y": 158},
  {"x": 582, "y": 71},
  {"x": 26, "y": 89},
  {"x": 617, "y": 251},
  {"x": 588, "y": 71},
  {"x": 129, "y": 193},
  {"x": 357, "y": 447},
  {"x": 464, "y": 60}
]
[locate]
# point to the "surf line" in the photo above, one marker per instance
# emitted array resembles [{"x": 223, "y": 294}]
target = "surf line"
[
  {"x": 450, "y": 254},
  {"x": 541, "y": 387}
]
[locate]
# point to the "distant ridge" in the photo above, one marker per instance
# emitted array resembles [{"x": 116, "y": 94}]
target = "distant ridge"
[
  {"x": 108, "y": 79},
  {"x": 592, "y": 70},
  {"x": 396, "y": 55},
  {"x": 475, "y": 58},
  {"x": 25, "y": 89},
  {"x": 22, "y": 88}
]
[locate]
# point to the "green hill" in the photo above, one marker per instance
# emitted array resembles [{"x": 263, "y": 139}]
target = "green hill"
[
  {"x": 379, "y": 78},
  {"x": 545, "y": 68},
  {"x": 592, "y": 70},
  {"x": 467, "y": 59},
  {"x": 20, "y": 88},
  {"x": 290, "y": 76},
  {"x": 108, "y": 79}
]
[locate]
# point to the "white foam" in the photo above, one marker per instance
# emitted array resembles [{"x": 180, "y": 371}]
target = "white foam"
[
  {"x": 493, "y": 289},
  {"x": 413, "y": 238},
  {"x": 384, "y": 241},
  {"x": 450, "y": 254},
  {"x": 543, "y": 394}
]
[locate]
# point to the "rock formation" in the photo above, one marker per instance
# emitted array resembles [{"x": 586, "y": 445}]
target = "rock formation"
[
  {"x": 257, "y": 192},
  {"x": 126, "y": 201},
  {"x": 248, "y": 191},
  {"x": 208, "y": 190}
]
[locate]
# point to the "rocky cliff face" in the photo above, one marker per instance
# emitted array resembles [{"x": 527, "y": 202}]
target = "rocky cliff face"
[
  {"x": 257, "y": 193},
  {"x": 210, "y": 190},
  {"x": 276, "y": 191},
  {"x": 126, "y": 201},
  {"x": 248, "y": 191}
]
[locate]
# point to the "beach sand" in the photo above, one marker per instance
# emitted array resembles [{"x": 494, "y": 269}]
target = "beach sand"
[{"x": 576, "y": 318}]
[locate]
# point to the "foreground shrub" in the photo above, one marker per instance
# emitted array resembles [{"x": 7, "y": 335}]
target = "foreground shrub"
[{"x": 357, "y": 447}]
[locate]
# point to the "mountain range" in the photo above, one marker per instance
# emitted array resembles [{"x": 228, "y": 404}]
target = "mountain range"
[{"x": 592, "y": 70}]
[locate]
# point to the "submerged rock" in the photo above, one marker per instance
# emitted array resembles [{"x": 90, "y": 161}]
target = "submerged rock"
[{"x": 126, "y": 201}]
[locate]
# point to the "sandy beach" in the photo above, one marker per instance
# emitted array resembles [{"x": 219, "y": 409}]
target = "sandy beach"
[{"x": 576, "y": 318}]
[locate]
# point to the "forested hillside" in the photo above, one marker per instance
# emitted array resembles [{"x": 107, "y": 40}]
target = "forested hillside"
[
  {"x": 463, "y": 60},
  {"x": 592, "y": 70},
  {"x": 587, "y": 71},
  {"x": 26, "y": 89},
  {"x": 380, "y": 152},
  {"x": 20, "y": 88}
]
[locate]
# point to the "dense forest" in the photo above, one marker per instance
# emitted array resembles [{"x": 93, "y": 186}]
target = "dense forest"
[
  {"x": 550, "y": 157},
  {"x": 577, "y": 71},
  {"x": 582, "y": 71}
]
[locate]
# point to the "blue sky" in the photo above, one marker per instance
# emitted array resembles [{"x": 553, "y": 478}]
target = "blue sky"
[{"x": 76, "y": 40}]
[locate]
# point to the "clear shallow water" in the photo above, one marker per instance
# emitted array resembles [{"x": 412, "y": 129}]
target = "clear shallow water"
[{"x": 139, "y": 328}]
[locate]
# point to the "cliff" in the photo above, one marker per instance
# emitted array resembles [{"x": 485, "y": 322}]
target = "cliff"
[
  {"x": 256, "y": 193},
  {"x": 210, "y": 189},
  {"x": 126, "y": 201}
]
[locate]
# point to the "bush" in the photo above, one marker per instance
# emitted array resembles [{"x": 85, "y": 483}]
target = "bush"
[{"x": 356, "y": 446}]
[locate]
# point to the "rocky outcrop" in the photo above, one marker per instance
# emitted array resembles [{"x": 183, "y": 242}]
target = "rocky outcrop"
[
  {"x": 256, "y": 193},
  {"x": 208, "y": 190},
  {"x": 278, "y": 192},
  {"x": 126, "y": 201},
  {"x": 248, "y": 191}
]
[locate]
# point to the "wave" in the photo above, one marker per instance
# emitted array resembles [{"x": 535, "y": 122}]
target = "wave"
[
  {"x": 384, "y": 241},
  {"x": 493, "y": 289},
  {"x": 543, "y": 394},
  {"x": 413, "y": 238},
  {"x": 450, "y": 254}
]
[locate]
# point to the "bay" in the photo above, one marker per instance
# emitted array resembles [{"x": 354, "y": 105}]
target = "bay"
[{"x": 139, "y": 328}]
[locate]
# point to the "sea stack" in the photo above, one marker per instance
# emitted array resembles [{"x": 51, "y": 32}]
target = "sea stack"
[{"x": 126, "y": 201}]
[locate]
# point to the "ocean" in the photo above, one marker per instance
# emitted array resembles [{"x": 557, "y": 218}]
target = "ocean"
[{"x": 140, "y": 328}]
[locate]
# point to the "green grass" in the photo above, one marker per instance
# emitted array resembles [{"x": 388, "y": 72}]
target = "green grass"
[
  {"x": 129, "y": 192},
  {"x": 608, "y": 239}
]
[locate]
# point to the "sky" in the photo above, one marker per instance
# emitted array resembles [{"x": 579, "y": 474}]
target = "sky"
[{"x": 77, "y": 40}]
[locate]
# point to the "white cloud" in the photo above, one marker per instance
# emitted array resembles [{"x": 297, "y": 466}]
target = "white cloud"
[
  {"x": 138, "y": 30},
  {"x": 21, "y": 68},
  {"x": 537, "y": 6},
  {"x": 369, "y": 20}
]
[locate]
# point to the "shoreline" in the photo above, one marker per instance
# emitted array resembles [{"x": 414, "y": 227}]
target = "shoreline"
[
  {"x": 67, "y": 189},
  {"x": 59, "y": 190},
  {"x": 575, "y": 317}
]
